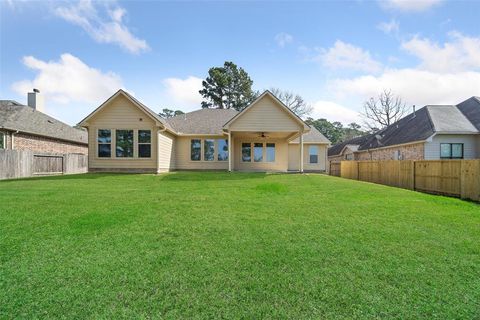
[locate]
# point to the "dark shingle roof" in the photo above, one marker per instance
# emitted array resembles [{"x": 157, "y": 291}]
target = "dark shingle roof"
[
  {"x": 418, "y": 126},
  {"x": 15, "y": 116},
  {"x": 471, "y": 109},
  {"x": 203, "y": 121}
]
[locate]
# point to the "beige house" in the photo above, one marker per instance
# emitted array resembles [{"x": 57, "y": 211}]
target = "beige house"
[{"x": 125, "y": 135}]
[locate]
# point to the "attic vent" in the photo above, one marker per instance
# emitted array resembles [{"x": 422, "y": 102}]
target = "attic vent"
[{"x": 49, "y": 121}]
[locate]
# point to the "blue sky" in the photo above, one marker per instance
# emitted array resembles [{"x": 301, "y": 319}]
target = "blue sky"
[{"x": 334, "y": 54}]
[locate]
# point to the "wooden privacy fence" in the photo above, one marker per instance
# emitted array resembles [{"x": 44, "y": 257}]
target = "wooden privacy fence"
[
  {"x": 459, "y": 178},
  {"x": 22, "y": 163},
  {"x": 335, "y": 169}
]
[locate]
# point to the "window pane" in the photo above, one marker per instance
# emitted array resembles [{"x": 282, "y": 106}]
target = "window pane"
[
  {"x": 209, "y": 150},
  {"x": 258, "y": 152},
  {"x": 104, "y": 150},
  {"x": 270, "y": 152},
  {"x": 222, "y": 152},
  {"x": 104, "y": 136},
  {"x": 457, "y": 150},
  {"x": 195, "y": 149},
  {"x": 246, "y": 152},
  {"x": 2, "y": 140},
  {"x": 144, "y": 136},
  {"x": 445, "y": 150},
  {"x": 144, "y": 150},
  {"x": 124, "y": 143},
  {"x": 313, "y": 152}
]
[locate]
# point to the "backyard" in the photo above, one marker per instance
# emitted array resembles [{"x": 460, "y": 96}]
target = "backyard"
[{"x": 239, "y": 245}]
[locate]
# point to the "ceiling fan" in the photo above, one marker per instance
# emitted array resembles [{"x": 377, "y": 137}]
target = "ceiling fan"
[{"x": 263, "y": 135}]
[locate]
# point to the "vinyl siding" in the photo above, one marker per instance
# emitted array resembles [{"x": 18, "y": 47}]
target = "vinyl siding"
[
  {"x": 166, "y": 152},
  {"x": 265, "y": 116},
  {"x": 182, "y": 155},
  {"x": 471, "y": 148},
  {"x": 120, "y": 113},
  {"x": 294, "y": 158},
  {"x": 281, "y": 156}
]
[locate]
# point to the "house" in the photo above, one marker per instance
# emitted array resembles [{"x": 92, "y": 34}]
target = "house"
[
  {"x": 125, "y": 135},
  {"x": 25, "y": 128},
  {"x": 431, "y": 133}
]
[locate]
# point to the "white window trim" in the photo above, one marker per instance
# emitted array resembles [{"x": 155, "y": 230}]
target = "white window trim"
[
  {"x": 316, "y": 154},
  {"x": 202, "y": 150}
]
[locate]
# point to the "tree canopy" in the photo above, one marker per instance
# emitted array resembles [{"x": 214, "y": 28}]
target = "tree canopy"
[
  {"x": 383, "y": 110},
  {"x": 227, "y": 87},
  {"x": 335, "y": 131},
  {"x": 168, "y": 113}
]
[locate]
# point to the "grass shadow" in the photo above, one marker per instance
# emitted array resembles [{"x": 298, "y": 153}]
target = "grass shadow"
[{"x": 211, "y": 176}]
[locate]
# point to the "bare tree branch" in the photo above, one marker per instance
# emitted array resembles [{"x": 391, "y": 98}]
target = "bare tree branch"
[
  {"x": 384, "y": 110},
  {"x": 293, "y": 101}
]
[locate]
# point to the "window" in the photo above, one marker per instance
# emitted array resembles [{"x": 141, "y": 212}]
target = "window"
[
  {"x": 124, "y": 143},
  {"x": 270, "y": 152},
  {"x": 246, "y": 152},
  {"x": 258, "y": 152},
  {"x": 313, "y": 152},
  {"x": 2, "y": 140},
  {"x": 208, "y": 149},
  {"x": 104, "y": 141},
  {"x": 451, "y": 150},
  {"x": 144, "y": 143},
  {"x": 195, "y": 149},
  {"x": 349, "y": 156},
  {"x": 222, "y": 149}
]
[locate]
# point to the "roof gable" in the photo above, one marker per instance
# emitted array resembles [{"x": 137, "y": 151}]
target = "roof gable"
[
  {"x": 121, "y": 93},
  {"x": 266, "y": 113},
  {"x": 470, "y": 108},
  {"x": 450, "y": 119}
]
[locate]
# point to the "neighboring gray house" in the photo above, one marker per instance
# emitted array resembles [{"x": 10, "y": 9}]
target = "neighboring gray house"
[{"x": 431, "y": 133}]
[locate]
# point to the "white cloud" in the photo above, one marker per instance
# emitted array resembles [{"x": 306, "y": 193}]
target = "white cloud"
[
  {"x": 68, "y": 80},
  {"x": 415, "y": 86},
  {"x": 409, "y": 5},
  {"x": 461, "y": 53},
  {"x": 282, "y": 39},
  {"x": 185, "y": 91},
  {"x": 347, "y": 56},
  {"x": 389, "y": 27},
  {"x": 107, "y": 29},
  {"x": 333, "y": 111}
]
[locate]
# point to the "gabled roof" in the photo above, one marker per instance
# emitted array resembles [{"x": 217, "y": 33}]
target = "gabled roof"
[
  {"x": 203, "y": 121},
  {"x": 155, "y": 117},
  {"x": 15, "y": 116},
  {"x": 312, "y": 136},
  {"x": 280, "y": 103},
  {"x": 419, "y": 126}
]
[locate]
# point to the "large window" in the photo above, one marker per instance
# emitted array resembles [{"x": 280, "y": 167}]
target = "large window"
[
  {"x": 258, "y": 152},
  {"x": 313, "y": 153},
  {"x": 246, "y": 152},
  {"x": 195, "y": 149},
  {"x": 222, "y": 149},
  {"x": 144, "y": 143},
  {"x": 451, "y": 150},
  {"x": 104, "y": 141},
  {"x": 208, "y": 149},
  {"x": 124, "y": 143},
  {"x": 270, "y": 152}
]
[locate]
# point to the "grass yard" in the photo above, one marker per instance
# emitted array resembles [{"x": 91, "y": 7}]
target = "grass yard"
[{"x": 219, "y": 245}]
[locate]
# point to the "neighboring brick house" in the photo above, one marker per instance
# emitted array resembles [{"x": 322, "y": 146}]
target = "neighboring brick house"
[
  {"x": 25, "y": 128},
  {"x": 431, "y": 133}
]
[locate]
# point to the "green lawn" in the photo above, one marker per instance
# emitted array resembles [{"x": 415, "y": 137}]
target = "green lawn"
[{"x": 219, "y": 245}]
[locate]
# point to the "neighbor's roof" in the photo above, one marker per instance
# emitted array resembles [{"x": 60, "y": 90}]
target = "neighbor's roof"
[
  {"x": 15, "y": 116},
  {"x": 471, "y": 109},
  {"x": 203, "y": 121},
  {"x": 419, "y": 126},
  {"x": 312, "y": 136},
  {"x": 450, "y": 119}
]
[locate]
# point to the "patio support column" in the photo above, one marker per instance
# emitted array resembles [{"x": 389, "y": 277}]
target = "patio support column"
[
  {"x": 301, "y": 153},
  {"x": 229, "y": 151}
]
